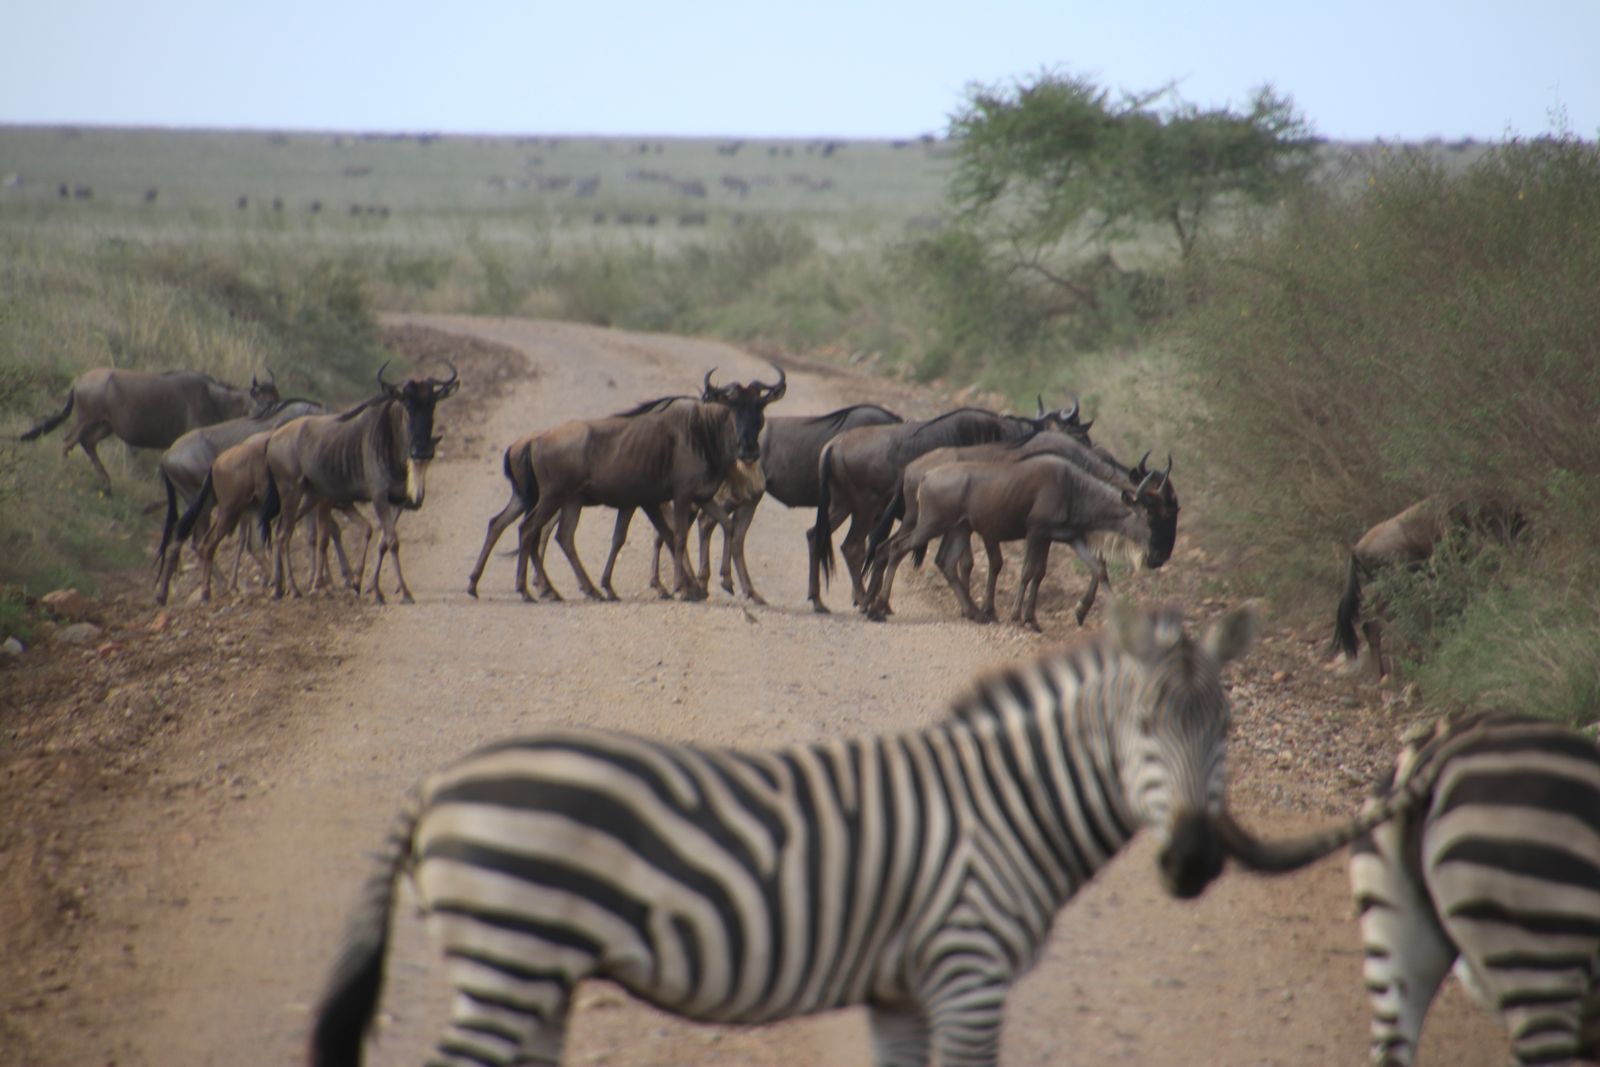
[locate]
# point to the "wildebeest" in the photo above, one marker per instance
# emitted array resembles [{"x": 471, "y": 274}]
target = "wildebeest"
[
  {"x": 857, "y": 472},
  {"x": 377, "y": 452},
  {"x": 1041, "y": 500},
  {"x": 955, "y": 549},
  {"x": 149, "y": 410},
  {"x": 644, "y": 458},
  {"x": 186, "y": 464},
  {"x": 1409, "y": 539}
]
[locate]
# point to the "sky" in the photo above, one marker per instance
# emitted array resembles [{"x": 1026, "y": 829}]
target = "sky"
[{"x": 1357, "y": 70}]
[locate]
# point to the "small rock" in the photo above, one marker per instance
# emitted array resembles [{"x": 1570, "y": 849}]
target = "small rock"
[
  {"x": 1279, "y": 677},
  {"x": 160, "y": 622},
  {"x": 108, "y": 649},
  {"x": 12, "y": 647},
  {"x": 79, "y": 633},
  {"x": 69, "y": 604}
]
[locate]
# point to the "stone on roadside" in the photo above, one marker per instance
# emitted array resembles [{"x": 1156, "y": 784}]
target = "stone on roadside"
[
  {"x": 69, "y": 604},
  {"x": 79, "y": 633},
  {"x": 12, "y": 647}
]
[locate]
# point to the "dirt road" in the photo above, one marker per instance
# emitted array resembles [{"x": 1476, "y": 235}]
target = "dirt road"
[{"x": 221, "y": 908}]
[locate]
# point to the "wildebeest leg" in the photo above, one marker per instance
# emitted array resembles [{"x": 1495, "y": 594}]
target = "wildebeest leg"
[
  {"x": 1097, "y": 575},
  {"x": 619, "y": 536},
  {"x": 88, "y": 438},
  {"x": 720, "y": 519},
  {"x": 912, "y": 535},
  {"x": 1034, "y": 560},
  {"x": 282, "y": 557},
  {"x": 683, "y": 578},
  {"x": 497, "y": 526},
  {"x": 388, "y": 543},
  {"x": 566, "y": 530},
  {"x": 814, "y": 579},
  {"x": 854, "y": 550},
  {"x": 1373, "y": 629},
  {"x": 530, "y": 551},
  {"x": 658, "y": 520},
  {"x": 354, "y": 580},
  {"x": 734, "y": 546},
  {"x": 224, "y": 522},
  {"x": 996, "y": 561}
]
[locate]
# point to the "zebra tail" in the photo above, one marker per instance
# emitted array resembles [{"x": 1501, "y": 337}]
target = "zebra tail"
[
  {"x": 202, "y": 500},
  {"x": 53, "y": 421},
  {"x": 822, "y": 533},
  {"x": 891, "y": 514},
  {"x": 270, "y": 506},
  {"x": 1281, "y": 857},
  {"x": 350, "y": 1000},
  {"x": 1344, "y": 627}
]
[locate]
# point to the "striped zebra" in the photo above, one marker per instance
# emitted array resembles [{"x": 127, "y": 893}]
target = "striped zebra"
[
  {"x": 917, "y": 874},
  {"x": 1496, "y": 872}
]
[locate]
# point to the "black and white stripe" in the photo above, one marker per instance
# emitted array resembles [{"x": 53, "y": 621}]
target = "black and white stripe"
[
  {"x": 1496, "y": 872},
  {"x": 917, "y": 873}
]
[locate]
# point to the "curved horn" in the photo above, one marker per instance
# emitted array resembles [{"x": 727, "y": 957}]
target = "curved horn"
[
  {"x": 454, "y": 374},
  {"x": 272, "y": 376},
  {"x": 707, "y": 386},
  {"x": 1071, "y": 416},
  {"x": 381, "y": 383},
  {"x": 1140, "y": 466},
  {"x": 775, "y": 391},
  {"x": 1039, "y": 398},
  {"x": 1166, "y": 475},
  {"x": 1145, "y": 481}
]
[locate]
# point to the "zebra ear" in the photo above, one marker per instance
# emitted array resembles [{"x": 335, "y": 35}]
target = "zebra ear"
[
  {"x": 1232, "y": 635},
  {"x": 1134, "y": 629}
]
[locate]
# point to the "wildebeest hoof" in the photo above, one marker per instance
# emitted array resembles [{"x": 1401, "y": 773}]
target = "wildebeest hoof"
[
  {"x": 756, "y": 598},
  {"x": 877, "y": 615},
  {"x": 550, "y": 595},
  {"x": 820, "y": 608},
  {"x": 727, "y": 586},
  {"x": 692, "y": 594},
  {"x": 472, "y": 590}
]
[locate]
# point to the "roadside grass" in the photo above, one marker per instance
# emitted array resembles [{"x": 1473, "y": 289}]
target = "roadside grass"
[{"x": 1426, "y": 333}]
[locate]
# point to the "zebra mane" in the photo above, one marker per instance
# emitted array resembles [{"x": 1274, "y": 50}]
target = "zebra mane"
[{"x": 1092, "y": 654}]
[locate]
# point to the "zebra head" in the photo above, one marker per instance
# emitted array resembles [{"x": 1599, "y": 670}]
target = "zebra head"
[{"x": 1171, "y": 736}]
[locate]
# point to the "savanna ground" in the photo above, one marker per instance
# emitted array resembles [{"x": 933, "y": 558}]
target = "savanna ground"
[{"x": 189, "y": 801}]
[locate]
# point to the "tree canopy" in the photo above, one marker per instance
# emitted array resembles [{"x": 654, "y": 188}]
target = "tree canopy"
[{"x": 1057, "y": 157}]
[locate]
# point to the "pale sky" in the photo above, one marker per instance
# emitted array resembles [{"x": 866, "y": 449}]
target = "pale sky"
[{"x": 1357, "y": 69}]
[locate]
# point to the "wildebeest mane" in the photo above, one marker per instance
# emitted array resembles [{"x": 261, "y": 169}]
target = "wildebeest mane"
[
  {"x": 648, "y": 407},
  {"x": 838, "y": 417},
  {"x": 963, "y": 426},
  {"x": 705, "y": 435},
  {"x": 280, "y": 405},
  {"x": 347, "y": 415}
]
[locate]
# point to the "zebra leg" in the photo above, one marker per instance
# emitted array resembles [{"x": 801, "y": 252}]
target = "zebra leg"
[
  {"x": 966, "y": 1023},
  {"x": 1543, "y": 1006},
  {"x": 899, "y": 1035},
  {"x": 1407, "y": 954},
  {"x": 490, "y": 1024}
]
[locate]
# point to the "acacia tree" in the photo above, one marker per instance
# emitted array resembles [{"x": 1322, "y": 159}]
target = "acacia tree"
[{"x": 1056, "y": 161}]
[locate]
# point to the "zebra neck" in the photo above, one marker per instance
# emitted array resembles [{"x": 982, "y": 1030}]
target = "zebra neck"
[{"x": 1037, "y": 758}]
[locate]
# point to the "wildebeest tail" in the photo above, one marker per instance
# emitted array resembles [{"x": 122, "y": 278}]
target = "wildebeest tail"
[
  {"x": 822, "y": 534},
  {"x": 519, "y": 472},
  {"x": 1344, "y": 627},
  {"x": 202, "y": 500},
  {"x": 891, "y": 514},
  {"x": 52, "y": 422},
  {"x": 350, "y": 999},
  {"x": 171, "y": 520},
  {"x": 271, "y": 504}
]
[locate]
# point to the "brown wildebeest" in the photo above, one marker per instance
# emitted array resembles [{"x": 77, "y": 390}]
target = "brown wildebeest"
[
  {"x": 186, "y": 464},
  {"x": 377, "y": 452},
  {"x": 954, "y": 557},
  {"x": 149, "y": 410},
  {"x": 1040, "y": 500},
  {"x": 1410, "y": 539},
  {"x": 858, "y": 470},
  {"x": 681, "y": 454}
]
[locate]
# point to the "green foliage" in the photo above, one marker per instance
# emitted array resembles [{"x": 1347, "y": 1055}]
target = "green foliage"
[
  {"x": 1054, "y": 160},
  {"x": 1425, "y": 334}
]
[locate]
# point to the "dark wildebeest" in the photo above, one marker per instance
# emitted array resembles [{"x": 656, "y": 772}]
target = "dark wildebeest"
[
  {"x": 681, "y": 455},
  {"x": 858, "y": 470},
  {"x": 1409, "y": 539},
  {"x": 186, "y": 464},
  {"x": 954, "y": 557},
  {"x": 1041, "y": 500},
  {"x": 149, "y": 410},
  {"x": 377, "y": 452}
]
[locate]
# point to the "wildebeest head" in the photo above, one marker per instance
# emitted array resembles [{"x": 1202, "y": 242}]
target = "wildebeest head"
[
  {"x": 1155, "y": 496},
  {"x": 418, "y": 397},
  {"x": 1171, "y": 736},
  {"x": 1066, "y": 420},
  {"x": 263, "y": 394},
  {"x": 748, "y": 404}
]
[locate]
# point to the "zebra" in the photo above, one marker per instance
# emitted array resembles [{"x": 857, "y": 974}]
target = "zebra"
[
  {"x": 1496, "y": 871},
  {"x": 917, "y": 873}
]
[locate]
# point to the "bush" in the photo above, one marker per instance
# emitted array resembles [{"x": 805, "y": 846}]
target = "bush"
[{"x": 1425, "y": 334}]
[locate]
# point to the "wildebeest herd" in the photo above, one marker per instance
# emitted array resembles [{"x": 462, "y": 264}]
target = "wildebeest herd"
[{"x": 915, "y": 874}]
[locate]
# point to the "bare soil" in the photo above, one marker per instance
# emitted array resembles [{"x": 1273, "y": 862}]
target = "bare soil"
[{"x": 187, "y": 802}]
